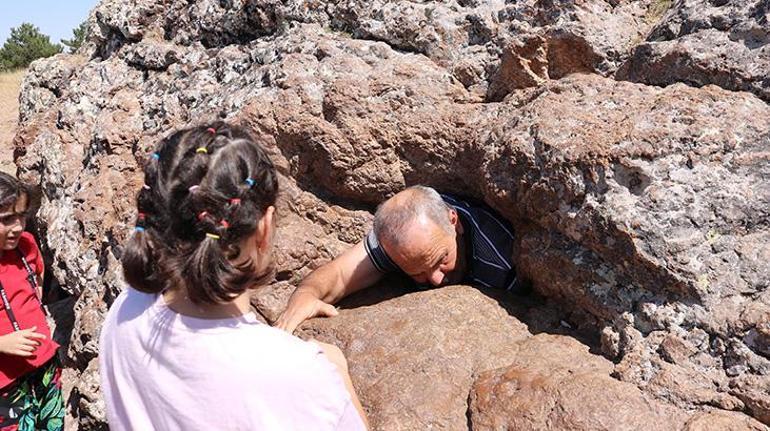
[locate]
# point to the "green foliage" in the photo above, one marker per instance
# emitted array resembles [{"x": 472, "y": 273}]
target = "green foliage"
[
  {"x": 78, "y": 36},
  {"x": 25, "y": 45}
]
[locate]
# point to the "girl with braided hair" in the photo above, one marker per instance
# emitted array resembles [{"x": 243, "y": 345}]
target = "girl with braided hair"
[{"x": 180, "y": 348}]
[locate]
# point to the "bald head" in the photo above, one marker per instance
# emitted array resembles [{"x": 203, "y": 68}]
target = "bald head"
[
  {"x": 420, "y": 233},
  {"x": 416, "y": 207}
]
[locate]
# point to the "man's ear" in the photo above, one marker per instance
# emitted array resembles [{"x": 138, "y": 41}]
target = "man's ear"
[
  {"x": 265, "y": 229},
  {"x": 455, "y": 220}
]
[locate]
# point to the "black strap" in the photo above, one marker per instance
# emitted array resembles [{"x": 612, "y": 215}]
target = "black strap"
[
  {"x": 7, "y": 305},
  {"x": 32, "y": 279},
  {"x": 31, "y": 276}
]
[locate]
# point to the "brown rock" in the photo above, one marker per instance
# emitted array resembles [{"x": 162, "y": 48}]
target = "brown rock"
[
  {"x": 554, "y": 383},
  {"x": 754, "y": 391},
  {"x": 702, "y": 42},
  {"x": 413, "y": 358},
  {"x": 722, "y": 421},
  {"x": 636, "y": 210}
]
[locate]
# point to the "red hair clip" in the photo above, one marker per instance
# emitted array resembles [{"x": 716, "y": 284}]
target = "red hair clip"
[
  {"x": 212, "y": 130},
  {"x": 202, "y": 215},
  {"x": 235, "y": 201},
  {"x": 224, "y": 223}
]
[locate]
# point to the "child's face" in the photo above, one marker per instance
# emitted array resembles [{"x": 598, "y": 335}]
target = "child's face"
[{"x": 13, "y": 220}]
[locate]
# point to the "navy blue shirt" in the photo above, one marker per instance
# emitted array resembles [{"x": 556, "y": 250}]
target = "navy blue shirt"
[{"x": 489, "y": 246}]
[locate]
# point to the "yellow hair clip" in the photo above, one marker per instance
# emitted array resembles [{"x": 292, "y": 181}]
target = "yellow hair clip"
[
  {"x": 202, "y": 150},
  {"x": 213, "y": 236}
]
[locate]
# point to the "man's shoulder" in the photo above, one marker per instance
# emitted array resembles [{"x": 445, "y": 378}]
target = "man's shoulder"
[
  {"x": 458, "y": 200},
  {"x": 482, "y": 216}
]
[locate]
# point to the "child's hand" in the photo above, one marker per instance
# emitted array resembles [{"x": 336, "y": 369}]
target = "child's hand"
[{"x": 21, "y": 343}]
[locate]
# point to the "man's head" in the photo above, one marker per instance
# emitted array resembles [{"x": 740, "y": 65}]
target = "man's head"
[{"x": 419, "y": 233}]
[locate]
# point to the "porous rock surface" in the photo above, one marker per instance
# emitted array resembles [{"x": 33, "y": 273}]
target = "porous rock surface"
[
  {"x": 701, "y": 42},
  {"x": 641, "y": 208}
]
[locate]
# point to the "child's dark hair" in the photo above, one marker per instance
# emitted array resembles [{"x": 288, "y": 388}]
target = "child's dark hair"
[
  {"x": 11, "y": 190},
  {"x": 206, "y": 188}
]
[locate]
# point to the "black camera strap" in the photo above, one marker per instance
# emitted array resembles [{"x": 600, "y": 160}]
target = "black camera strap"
[{"x": 32, "y": 279}]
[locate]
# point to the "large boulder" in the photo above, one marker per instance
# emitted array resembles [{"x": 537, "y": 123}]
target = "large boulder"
[
  {"x": 414, "y": 358},
  {"x": 554, "y": 383},
  {"x": 641, "y": 212},
  {"x": 432, "y": 360}
]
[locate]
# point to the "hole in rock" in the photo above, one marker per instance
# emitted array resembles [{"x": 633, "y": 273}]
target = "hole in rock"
[{"x": 633, "y": 179}]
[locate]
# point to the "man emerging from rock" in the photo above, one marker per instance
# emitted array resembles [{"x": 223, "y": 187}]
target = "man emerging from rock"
[{"x": 434, "y": 239}]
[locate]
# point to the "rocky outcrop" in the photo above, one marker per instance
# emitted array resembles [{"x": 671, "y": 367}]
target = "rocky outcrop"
[
  {"x": 547, "y": 381},
  {"x": 641, "y": 212},
  {"x": 701, "y": 42}
]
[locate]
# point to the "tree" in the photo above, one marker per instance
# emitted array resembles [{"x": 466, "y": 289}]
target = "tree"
[
  {"x": 78, "y": 36},
  {"x": 25, "y": 45}
]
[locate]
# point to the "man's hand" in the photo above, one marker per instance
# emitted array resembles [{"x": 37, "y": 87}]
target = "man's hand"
[
  {"x": 303, "y": 305},
  {"x": 21, "y": 343}
]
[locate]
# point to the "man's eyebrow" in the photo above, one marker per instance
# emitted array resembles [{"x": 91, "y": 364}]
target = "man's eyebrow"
[{"x": 440, "y": 258}]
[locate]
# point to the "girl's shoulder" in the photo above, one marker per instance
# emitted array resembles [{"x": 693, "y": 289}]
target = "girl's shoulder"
[
  {"x": 30, "y": 251},
  {"x": 286, "y": 350},
  {"x": 278, "y": 340},
  {"x": 28, "y": 246}
]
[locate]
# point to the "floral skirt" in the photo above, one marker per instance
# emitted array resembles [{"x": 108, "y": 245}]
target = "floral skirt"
[{"x": 34, "y": 402}]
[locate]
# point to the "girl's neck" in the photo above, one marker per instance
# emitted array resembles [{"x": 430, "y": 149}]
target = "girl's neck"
[{"x": 180, "y": 303}]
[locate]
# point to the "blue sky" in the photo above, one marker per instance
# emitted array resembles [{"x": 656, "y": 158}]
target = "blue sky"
[{"x": 55, "y": 18}]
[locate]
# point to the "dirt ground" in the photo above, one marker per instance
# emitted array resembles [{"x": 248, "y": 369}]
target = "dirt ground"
[{"x": 9, "y": 116}]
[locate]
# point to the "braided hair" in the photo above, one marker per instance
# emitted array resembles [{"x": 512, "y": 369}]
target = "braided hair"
[{"x": 206, "y": 188}]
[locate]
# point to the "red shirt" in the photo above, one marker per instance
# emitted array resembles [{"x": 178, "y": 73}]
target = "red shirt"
[{"x": 26, "y": 308}]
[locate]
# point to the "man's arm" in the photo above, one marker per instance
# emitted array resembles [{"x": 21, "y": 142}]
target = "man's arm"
[{"x": 348, "y": 273}]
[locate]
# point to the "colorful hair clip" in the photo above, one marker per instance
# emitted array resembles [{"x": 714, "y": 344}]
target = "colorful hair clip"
[
  {"x": 203, "y": 150},
  {"x": 235, "y": 201},
  {"x": 192, "y": 188},
  {"x": 212, "y": 130},
  {"x": 250, "y": 182},
  {"x": 224, "y": 224},
  {"x": 139, "y": 229},
  {"x": 213, "y": 236},
  {"x": 156, "y": 156},
  {"x": 202, "y": 215},
  {"x": 141, "y": 216},
  {"x": 146, "y": 187}
]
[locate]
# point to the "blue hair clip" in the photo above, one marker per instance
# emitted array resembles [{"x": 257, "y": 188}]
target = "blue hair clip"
[
  {"x": 250, "y": 182},
  {"x": 156, "y": 156},
  {"x": 139, "y": 229}
]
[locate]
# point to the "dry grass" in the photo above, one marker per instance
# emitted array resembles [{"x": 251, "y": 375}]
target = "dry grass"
[
  {"x": 657, "y": 9},
  {"x": 9, "y": 116}
]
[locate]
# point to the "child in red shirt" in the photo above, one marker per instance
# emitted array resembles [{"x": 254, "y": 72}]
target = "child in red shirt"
[{"x": 30, "y": 390}]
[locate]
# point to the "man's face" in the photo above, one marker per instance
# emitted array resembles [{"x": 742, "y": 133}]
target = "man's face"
[
  {"x": 429, "y": 253},
  {"x": 13, "y": 219}
]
